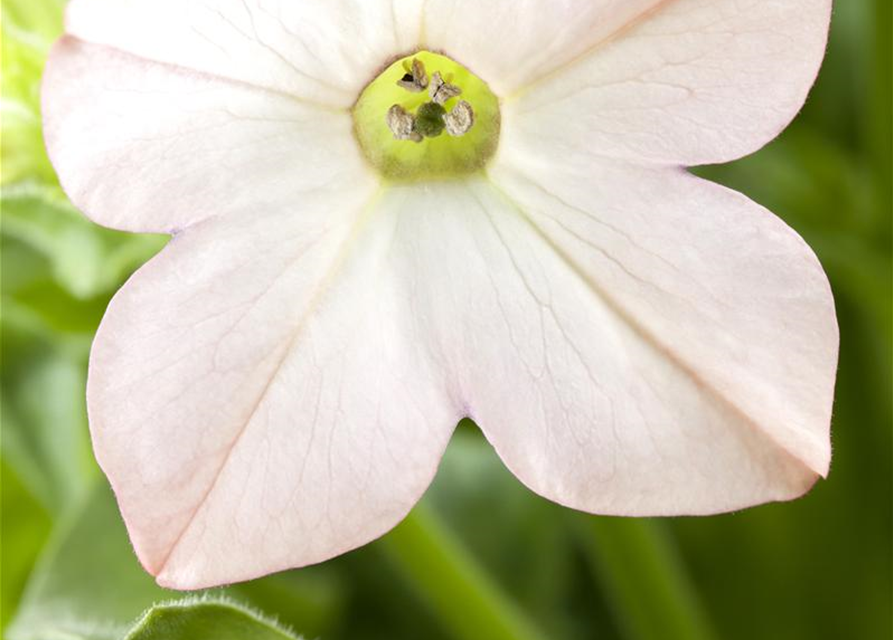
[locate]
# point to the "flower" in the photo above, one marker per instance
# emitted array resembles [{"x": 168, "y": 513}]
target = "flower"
[{"x": 278, "y": 385}]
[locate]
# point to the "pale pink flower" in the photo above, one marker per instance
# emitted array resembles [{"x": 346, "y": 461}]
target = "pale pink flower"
[{"x": 278, "y": 385}]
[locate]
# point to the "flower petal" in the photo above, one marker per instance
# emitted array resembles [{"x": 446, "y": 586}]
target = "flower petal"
[
  {"x": 320, "y": 50},
  {"x": 674, "y": 355},
  {"x": 691, "y": 82},
  {"x": 512, "y": 43},
  {"x": 146, "y": 147},
  {"x": 253, "y": 397}
]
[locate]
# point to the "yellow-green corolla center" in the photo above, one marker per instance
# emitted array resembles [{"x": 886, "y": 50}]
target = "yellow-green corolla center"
[{"x": 435, "y": 152}]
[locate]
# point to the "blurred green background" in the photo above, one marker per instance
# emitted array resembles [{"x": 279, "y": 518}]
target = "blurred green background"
[{"x": 481, "y": 557}]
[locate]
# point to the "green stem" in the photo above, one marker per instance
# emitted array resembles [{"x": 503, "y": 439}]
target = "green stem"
[
  {"x": 642, "y": 579},
  {"x": 880, "y": 103},
  {"x": 470, "y": 605}
]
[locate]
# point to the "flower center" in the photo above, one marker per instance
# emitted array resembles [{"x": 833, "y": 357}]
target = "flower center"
[{"x": 427, "y": 117}]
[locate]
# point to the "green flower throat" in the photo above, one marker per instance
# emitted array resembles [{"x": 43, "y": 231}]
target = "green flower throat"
[{"x": 427, "y": 117}]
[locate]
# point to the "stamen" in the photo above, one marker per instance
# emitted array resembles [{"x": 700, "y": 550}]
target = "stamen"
[
  {"x": 415, "y": 121},
  {"x": 431, "y": 118},
  {"x": 402, "y": 124},
  {"x": 441, "y": 91},
  {"x": 416, "y": 79},
  {"x": 460, "y": 120}
]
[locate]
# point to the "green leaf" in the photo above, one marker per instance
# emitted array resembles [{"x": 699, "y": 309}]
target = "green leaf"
[
  {"x": 86, "y": 259},
  {"x": 43, "y": 380},
  {"x": 28, "y": 30},
  {"x": 206, "y": 620},
  {"x": 44, "y": 221},
  {"x": 88, "y": 584},
  {"x": 36, "y": 21},
  {"x": 45, "y": 429},
  {"x": 310, "y": 600},
  {"x": 22, "y": 267},
  {"x": 25, "y": 527}
]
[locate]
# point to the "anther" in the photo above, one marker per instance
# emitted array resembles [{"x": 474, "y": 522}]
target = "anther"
[
  {"x": 402, "y": 124},
  {"x": 441, "y": 91},
  {"x": 460, "y": 120},
  {"x": 416, "y": 79}
]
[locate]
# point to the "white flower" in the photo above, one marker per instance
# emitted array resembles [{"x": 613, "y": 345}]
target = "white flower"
[{"x": 278, "y": 386}]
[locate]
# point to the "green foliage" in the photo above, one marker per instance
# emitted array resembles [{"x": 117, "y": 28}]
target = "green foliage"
[
  {"x": 21, "y": 543},
  {"x": 88, "y": 584},
  {"x": 28, "y": 30},
  {"x": 644, "y": 581},
  {"x": 85, "y": 260},
  {"x": 45, "y": 427},
  {"x": 482, "y": 556},
  {"x": 221, "y": 620},
  {"x": 422, "y": 548}
]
